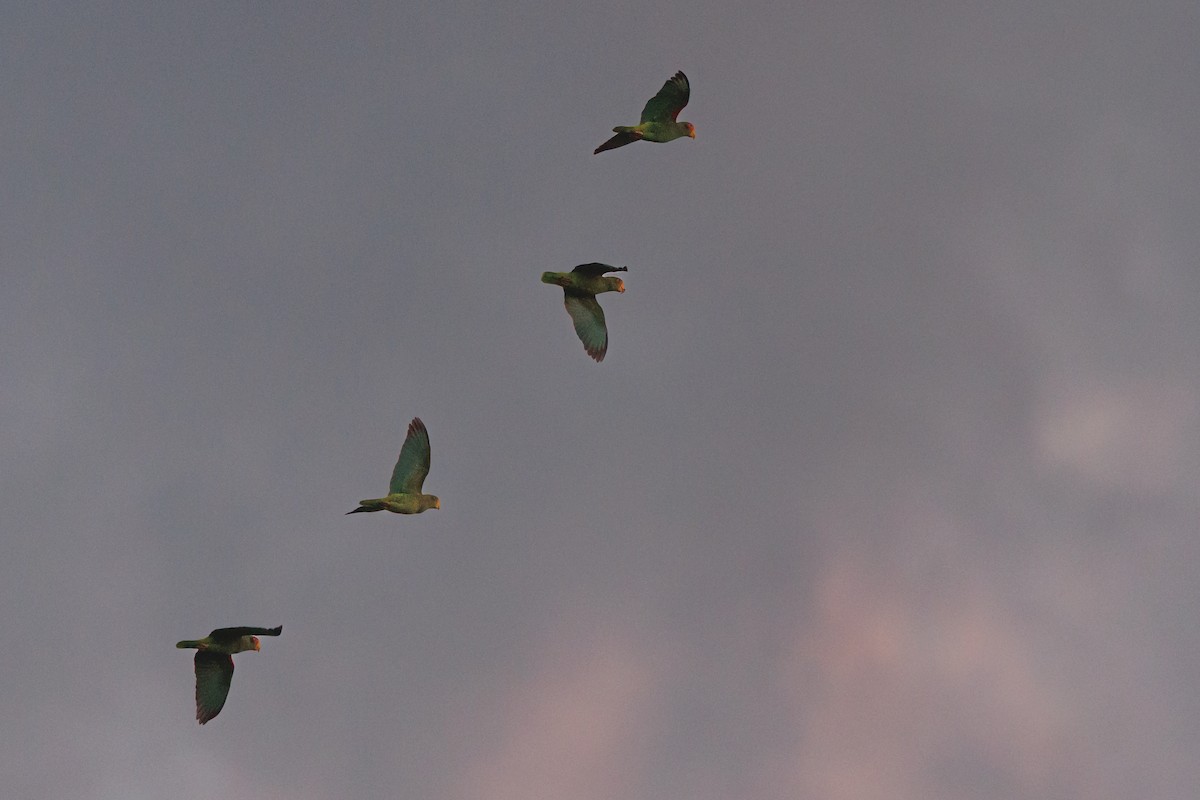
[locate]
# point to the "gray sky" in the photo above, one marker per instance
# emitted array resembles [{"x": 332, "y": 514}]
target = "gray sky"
[{"x": 886, "y": 488}]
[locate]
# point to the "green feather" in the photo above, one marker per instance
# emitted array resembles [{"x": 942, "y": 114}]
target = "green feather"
[
  {"x": 670, "y": 100},
  {"x": 588, "y": 317},
  {"x": 413, "y": 464},
  {"x": 214, "y": 674}
]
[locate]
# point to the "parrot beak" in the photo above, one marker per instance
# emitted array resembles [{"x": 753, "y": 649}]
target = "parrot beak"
[{"x": 692, "y": 133}]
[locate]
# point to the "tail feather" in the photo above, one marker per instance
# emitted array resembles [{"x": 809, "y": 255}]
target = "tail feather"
[
  {"x": 186, "y": 643},
  {"x": 362, "y": 510}
]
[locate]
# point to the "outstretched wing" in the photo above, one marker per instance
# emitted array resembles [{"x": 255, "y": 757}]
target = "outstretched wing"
[
  {"x": 620, "y": 140},
  {"x": 233, "y": 634},
  {"x": 596, "y": 269},
  {"x": 588, "y": 317},
  {"x": 214, "y": 673},
  {"x": 413, "y": 464},
  {"x": 670, "y": 100}
]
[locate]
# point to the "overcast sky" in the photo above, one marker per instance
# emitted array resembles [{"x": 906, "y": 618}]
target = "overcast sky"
[{"x": 886, "y": 489}]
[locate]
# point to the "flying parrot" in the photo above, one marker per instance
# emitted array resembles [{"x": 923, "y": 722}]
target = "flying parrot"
[
  {"x": 580, "y": 287},
  {"x": 214, "y": 664},
  {"x": 404, "y": 493},
  {"x": 658, "y": 117}
]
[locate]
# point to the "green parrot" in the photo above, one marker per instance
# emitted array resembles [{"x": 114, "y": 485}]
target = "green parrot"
[
  {"x": 404, "y": 493},
  {"x": 580, "y": 287},
  {"x": 214, "y": 664},
  {"x": 658, "y": 117}
]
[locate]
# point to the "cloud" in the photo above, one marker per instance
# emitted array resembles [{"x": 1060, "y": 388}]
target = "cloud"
[
  {"x": 572, "y": 729},
  {"x": 923, "y": 666},
  {"x": 1128, "y": 434}
]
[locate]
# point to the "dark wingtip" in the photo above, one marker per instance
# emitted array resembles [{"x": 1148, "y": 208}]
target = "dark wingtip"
[{"x": 620, "y": 140}]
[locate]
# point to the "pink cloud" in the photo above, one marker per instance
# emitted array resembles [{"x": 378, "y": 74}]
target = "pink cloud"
[
  {"x": 573, "y": 729},
  {"x": 905, "y": 684}
]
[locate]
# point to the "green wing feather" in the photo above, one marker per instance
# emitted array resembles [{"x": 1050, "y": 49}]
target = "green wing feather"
[
  {"x": 670, "y": 100},
  {"x": 413, "y": 464},
  {"x": 214, "y": 673},
  {"x": 588, "y": 317}
]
